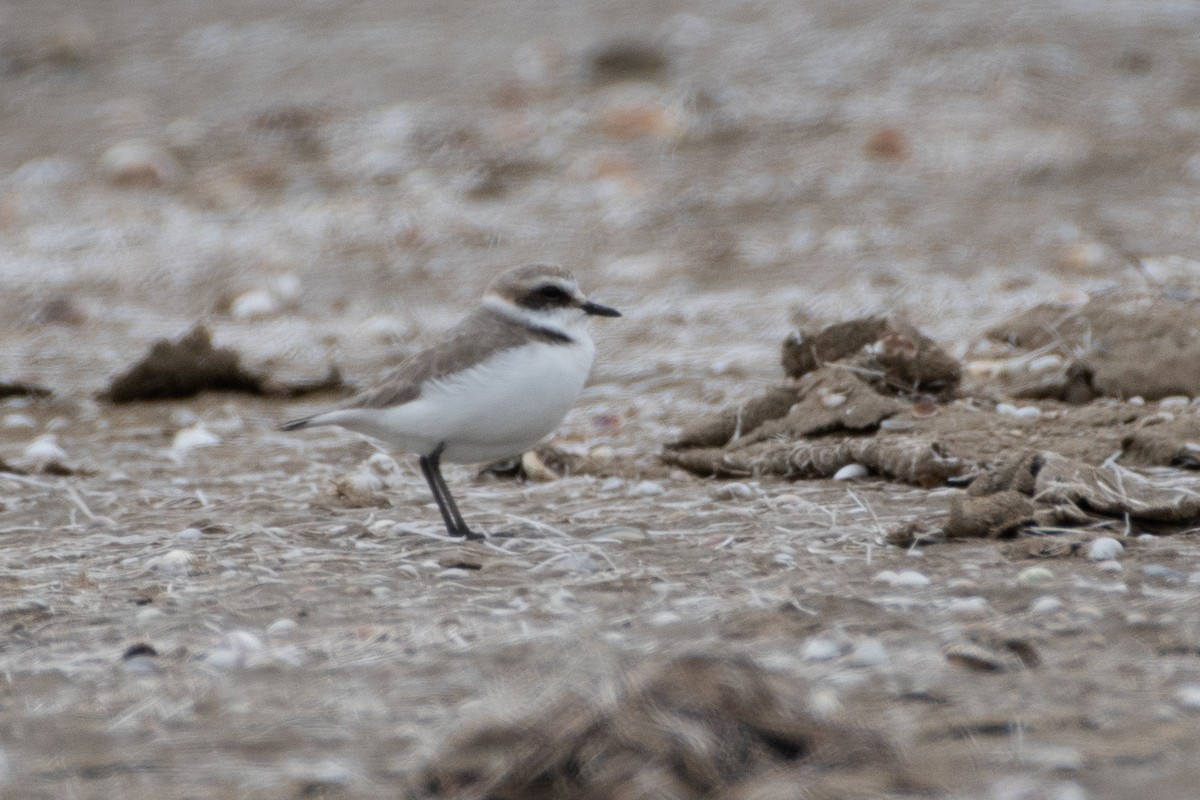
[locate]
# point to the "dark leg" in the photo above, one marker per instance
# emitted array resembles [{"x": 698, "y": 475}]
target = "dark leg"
[{"x": 431, "y": 469}]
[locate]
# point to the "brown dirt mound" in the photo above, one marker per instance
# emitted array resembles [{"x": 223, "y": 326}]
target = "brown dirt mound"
[
  {"x": 894, "y": 356},
  {"x": 696, "y": 727},
  {"x": 190, "y": 365},
  {"x": 1119, "y": 345},
  {"x": 866, "y": 409}
]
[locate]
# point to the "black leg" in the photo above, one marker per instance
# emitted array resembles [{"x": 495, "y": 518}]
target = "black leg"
[{"x": 431, "y": 469}]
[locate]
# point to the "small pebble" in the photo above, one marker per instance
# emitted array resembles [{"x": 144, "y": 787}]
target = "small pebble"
[
  {"x": 833, "y": 400},
  {"x": 1163, "y": 572},
  {"x": 1188, "y": 695},
  {"x": 1175, "y": 401},
  {"x": 235, "y": 650},
  {"x": 286, "y": 288},
  {"x": 384, "y": 330},
  {"x": 733, "y": 491},
  {"x": 191, "y": 438},
  {"x": 44, "y": 451},
  {"x": 962, "y": 586},
  {"x": 282, "y": 626},
  {"x": 647, "y": 489},
  {"x": 1054, "y": 758},
  {"x": 1045, "y": 363},
  {"x": 190, "y": 534},
  {"x": 851, "y": 472},
  {"x": 137, "y": 163},
  {"x": 147, "y": 615},
  {"x": 1104, "y": 548},
  {"x": 910, "y": 577},
  {"x": 620, "y": 533},
  {"x": 1034, "y": 575},
  {"x": 968, "y": 606},
  {"x": 1110, "y": 567},
  {"x": 906, "y": 577},
  {"x": 1014, "y": 411},
  {"x": 381, "y": 527},
  {"x": 173, "y": 563},
  {"x": 820, "y": 648},
  {"x": 18, "y": 421},
  {"x": 1045, "y": 605},
  {"x": 824, "y": 702},
  {"x": 602, "y": 452},
  {"x": 1069, "y": 790},
  {"x": 535, "y": 468},
  {"x": 254, "y": 304},
  {"x": 868, "y": 653}
]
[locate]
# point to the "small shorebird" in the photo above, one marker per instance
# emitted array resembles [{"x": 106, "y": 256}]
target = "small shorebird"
[{"x": 496, "y": 384}]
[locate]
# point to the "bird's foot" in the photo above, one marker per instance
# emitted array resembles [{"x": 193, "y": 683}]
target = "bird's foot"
[{"x": 470, "y": 535}]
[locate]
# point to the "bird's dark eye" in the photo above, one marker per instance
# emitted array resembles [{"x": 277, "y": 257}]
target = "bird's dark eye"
[{"x": 552, "y": 292}]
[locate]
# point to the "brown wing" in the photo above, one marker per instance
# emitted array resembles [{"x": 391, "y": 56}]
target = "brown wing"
[{"x": 482, "y": 332}]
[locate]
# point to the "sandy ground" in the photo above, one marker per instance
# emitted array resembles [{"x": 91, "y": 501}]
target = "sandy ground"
[{"x": 333, "y": 182}]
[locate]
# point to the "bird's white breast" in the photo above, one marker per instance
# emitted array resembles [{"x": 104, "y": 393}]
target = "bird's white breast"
[{"x": 494, "y": 410}]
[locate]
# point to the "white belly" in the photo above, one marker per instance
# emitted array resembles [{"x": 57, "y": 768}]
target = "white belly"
[{"x": 493, "y": 411}]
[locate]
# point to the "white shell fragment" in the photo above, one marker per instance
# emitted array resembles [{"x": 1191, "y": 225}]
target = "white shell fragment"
[
  {"x": 172, "y": 564},
  {"x": 535, "y": 468},
  {"x": 138, "y": 163},
  {"x": 1018, "y": 411},
  {"x": 905, "y": 577},
  {"x": 237, "y": 649},
  {"x": 44, "y": 451},
  {"x": 868, "y": 653},
  {"x": 191, "y": 438},
  {"x": 821, "y": 648},
  {"x": 1034, "y": 575},
  {"x": 1188, "y": 695},
  {"x": 733, "y": 491},
  {"x": 254, "y": 304},
  {"x": 1046, "y": 605},
  {"x": 647, "y": 489},
  {"x": 1105, "y": 548},
  {"x": 851, "y": 472}
]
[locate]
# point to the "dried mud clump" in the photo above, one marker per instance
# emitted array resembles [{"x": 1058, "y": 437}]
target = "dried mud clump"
[
  {"x": 22, "y": 389},
  {"x": 878, "y": 397},
  {"x": 1048, "y": 489},
  {"x": 851, "y": 376},
  {"x": 1122, "y": 346},
  {"x": 190, "y": 365},
  {"x": 897, "y": 357},
  {"x": 627, "y": 60},
  {"x": 696, "y": 727}
]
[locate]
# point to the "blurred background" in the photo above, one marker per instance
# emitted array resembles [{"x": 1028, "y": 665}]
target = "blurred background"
[{"x": 294, "y": 170}]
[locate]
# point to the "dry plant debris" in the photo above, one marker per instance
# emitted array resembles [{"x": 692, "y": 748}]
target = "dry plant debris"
[{"x": 695, "y": 727}]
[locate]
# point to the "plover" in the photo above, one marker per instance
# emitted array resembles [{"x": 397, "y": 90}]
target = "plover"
[{"x": 496, "y": 384}]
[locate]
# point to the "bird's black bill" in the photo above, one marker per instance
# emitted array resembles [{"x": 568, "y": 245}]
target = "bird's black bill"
[{"x": 597, "y": 310}]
